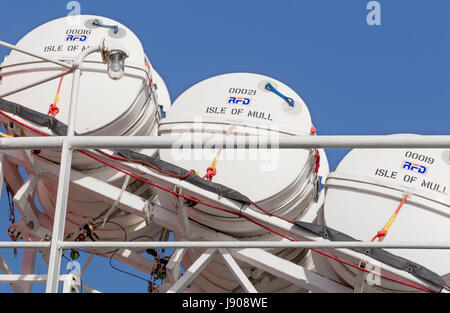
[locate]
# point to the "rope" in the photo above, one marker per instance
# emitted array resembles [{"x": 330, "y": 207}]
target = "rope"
[
  {"x": 212, "y": 170},
  {"x": 53, "y": 110},
  {"x": 382, "y": 233}
]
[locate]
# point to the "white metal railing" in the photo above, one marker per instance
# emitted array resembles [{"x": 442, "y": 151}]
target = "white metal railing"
[
  {"x": 256, "y": 244},
  {"x": 70, "y": 142},
  {"x": 291, "y": 142},
  {"x": 227, "y": 244},
  {"x": 69, "y": 281}
]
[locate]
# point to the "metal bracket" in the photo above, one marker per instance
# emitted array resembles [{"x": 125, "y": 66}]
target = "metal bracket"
[
  {"x": 173, "y": 267},
  {"x": 360, "y": 277},
  {"x": 148, "y": 212},
  {"x": 182, "y": 214}
]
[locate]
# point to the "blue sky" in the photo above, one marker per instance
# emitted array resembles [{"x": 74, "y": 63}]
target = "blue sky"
[{"x": 355, "y": 78}]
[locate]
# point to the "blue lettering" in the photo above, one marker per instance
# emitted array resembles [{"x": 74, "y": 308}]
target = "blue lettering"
[
  {"x": 407, "y": 165},
  {"x": 415, "y": 167}
]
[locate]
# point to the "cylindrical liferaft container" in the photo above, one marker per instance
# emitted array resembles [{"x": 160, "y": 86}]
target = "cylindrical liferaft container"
[
  {"x": 123, "y": 107},
  {"x": 393, "y": 195},
  {"x": 282, "y": 181}
]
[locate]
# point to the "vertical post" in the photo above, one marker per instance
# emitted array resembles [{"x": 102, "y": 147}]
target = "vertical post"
[{"x": 63, "y": 191}]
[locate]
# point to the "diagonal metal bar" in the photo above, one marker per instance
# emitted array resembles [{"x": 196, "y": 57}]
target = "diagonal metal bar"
[
  {"x": 34, "y": 84},
  {"x": 86, "y": 264},
  {"x": 33, "y": 54},
  {"x": 237, "y": 272},
  {"x": 6, "y": 271},
  {"x": 193, "y": 271},
  {"x": 28, "y": 265},
  {"x": 289, "y": 271}
]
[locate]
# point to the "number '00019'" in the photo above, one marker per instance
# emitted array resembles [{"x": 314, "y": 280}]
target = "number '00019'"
[{"x": 419, "y": 157}]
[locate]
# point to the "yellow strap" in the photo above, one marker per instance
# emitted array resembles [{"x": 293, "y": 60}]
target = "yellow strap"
[
  {"x": 215, "y": 162},
  {"x": 5, "y": 135},
  {"x": 392, "y": 219},
  {"x": 390, "y": 222}
]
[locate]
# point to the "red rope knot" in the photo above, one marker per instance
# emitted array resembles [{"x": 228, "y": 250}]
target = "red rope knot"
[
  {"x": 210, "y": 173},
  {"x": 53, "y": 110},
  {"x": 380, "y": 235}
]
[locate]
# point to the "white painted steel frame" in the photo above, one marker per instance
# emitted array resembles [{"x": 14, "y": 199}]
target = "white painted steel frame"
[
  {"x": 226, "y": 244},
  {"x": 252, "y": 244},
  {"x": 64, "y": 178},
  {"x": 291, "y": 142},
  {"x": 170, "y": 220},
  {"x": 289, "y": 271}
]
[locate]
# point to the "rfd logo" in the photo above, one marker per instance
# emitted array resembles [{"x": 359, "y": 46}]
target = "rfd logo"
[
  {"x": 234, "y": 100},
  {"x": 76, "y": 37},
  {"x": 414, "y": 167}
]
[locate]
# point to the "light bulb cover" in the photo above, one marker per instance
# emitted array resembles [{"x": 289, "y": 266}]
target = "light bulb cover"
[
  {"x": 114, "y": 57},
  {"x": 116, "y": 64}
]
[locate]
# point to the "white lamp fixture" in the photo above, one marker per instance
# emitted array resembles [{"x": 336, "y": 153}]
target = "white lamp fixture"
[{"x": 114, "y": 56}]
